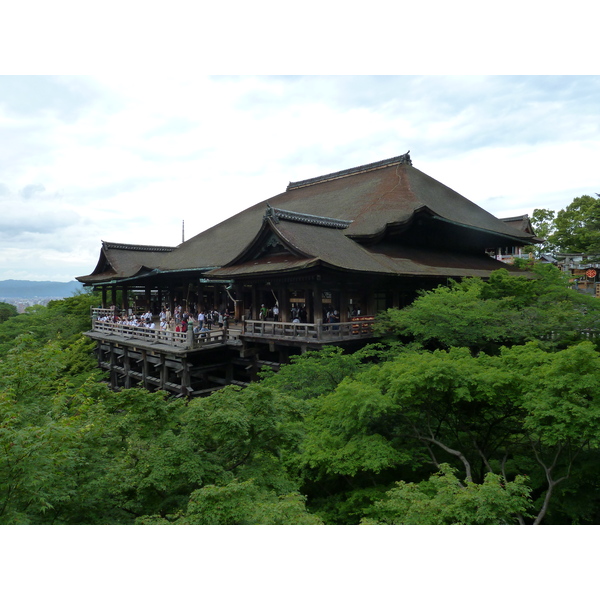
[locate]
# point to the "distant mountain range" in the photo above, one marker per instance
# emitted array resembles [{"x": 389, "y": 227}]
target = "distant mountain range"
[{"x": 14, "y": 288}]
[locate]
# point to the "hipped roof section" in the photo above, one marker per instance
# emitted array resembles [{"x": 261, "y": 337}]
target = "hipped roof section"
[
  {"x": 370, "y": 200},
  {"x": 119, "y": 261},
  {"x": 311, "y": 245}
]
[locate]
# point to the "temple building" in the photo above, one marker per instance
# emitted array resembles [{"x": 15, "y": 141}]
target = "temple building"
[{"x": 353, "y": 243}]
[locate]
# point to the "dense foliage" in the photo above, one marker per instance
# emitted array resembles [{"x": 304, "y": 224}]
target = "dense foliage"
[
  {"x": 574, "y": 229},
  {"x": 7, "y": 311},
  {"x": 478, "y": 406}
]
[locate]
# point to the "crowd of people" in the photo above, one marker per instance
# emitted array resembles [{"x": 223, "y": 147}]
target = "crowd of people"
[
  {"x": 299, "y": 314},
  {"x": 203, "y": 321},
  {"x": 179, "y": 320}
]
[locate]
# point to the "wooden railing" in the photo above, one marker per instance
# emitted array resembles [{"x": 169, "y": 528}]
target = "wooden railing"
[
  {"x": 179, "y": 339},
  {"x": 319, "y": 332},
  {"x": 310, "y": 331}
]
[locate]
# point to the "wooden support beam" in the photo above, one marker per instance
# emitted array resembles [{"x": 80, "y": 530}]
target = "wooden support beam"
[
  {"x": 144, "y": 369},
  {"x": 126, "y": 366}
]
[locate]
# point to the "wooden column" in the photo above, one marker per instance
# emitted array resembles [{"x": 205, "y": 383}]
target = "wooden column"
[
  {"x": 317, "y": 307},
  {"x": 164, "y": 372},
  {"x": 239, "y": 305},
  {"x": 126, "y": 367},
  {"x": 254, "y": 313},
  {"x": 148, "y": 297},
  {"x": 103, "y": 296},
  {"x": 171, "y": 293},
  {"x": 125, "y": 294},
  {"x": 344, "y": 305},
  {"x": 144, "y": 369},
  {"x": 185, "y": 377},
  {"x": 284, "y": 305},
  {"x": 201, "y": 303}
]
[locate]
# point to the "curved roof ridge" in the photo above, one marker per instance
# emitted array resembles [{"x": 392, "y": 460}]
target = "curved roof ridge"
[
  {"x": 290, "y": 215},
  {"x": 136, "y": 247},
  {"x": 397, "y": 160}
]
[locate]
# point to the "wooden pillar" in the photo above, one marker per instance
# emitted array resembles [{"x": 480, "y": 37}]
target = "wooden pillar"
[
  {"x": 284, "y": 305},
  {"x": 126, "y": 367},
  {"x": 317, "y": 308},
  {"x": 171, "y": 298},
  {"x": 144, "y": 369},
  {"x": 164, "y": 372},
  {"x": 125, "y": 294},
  {"x": 344, "y": 305},
  {"x": 201, "y": 303},
  {"x": 185, "y": 377},
  {"x": 148, "y": 297},
  {"x": 103, "y": 296},
  {"x": 255, "y": 307},
  {"x": 239, "y": 304}
]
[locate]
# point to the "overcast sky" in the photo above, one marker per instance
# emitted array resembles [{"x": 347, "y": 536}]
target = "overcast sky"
[{"x": 127, "y": 159}]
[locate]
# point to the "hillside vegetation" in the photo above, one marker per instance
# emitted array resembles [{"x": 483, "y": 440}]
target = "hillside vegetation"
[{"x": 478, "y": 405}]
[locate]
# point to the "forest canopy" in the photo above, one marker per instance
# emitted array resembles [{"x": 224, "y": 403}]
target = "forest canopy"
[{"x": 477, "y": 405}]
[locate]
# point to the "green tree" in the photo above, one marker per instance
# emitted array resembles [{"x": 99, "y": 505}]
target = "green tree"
[
  {"x": 52, "y": 435},
  {"x": 444, "y": 499},
  {"x": 7, "y": 311},
  {"x": 506, "y": 310},
  {"x": 173, "y": 448},
  {"x": 577, "y": 227},
  {"x": 542, "y": 221},
  {"x": 62, "y": 319},
  {"x": 240, "y": 503},
  {"x": 314, "y": 373},
  {"x": 523, "y": 412}
]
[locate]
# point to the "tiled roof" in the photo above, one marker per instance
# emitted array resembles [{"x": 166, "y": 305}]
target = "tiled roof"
[
  {"x": 288, "y": 215},
  {"x": 403, "y": 159},
  {"x": 119, "y": 261},
  {"x": 332, "y": 218}
]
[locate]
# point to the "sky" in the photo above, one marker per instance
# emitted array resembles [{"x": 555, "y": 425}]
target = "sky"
[{"x": 153, "y": 160}]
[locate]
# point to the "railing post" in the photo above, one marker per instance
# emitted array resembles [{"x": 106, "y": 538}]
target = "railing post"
[{"x": 319, "y": 325}]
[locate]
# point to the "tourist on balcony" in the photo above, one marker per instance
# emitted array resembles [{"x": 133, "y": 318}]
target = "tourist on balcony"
[{"x": 262, "y": 313}]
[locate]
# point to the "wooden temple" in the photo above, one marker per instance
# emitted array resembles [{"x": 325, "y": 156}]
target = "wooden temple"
[{"x": 354, "y": 242}]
